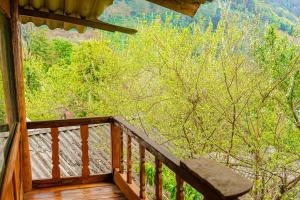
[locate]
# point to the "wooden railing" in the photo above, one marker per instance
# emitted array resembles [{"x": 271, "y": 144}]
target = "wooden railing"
[
  {"x": 212, "y": 180},
  {"x": 56, "y": 178}
]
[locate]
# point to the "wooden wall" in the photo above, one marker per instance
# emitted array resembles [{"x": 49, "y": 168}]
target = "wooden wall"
[{"x": 17, "y": 170}]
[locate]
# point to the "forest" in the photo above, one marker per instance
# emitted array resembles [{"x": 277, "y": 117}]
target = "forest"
[{"x": 224, "y": 86}]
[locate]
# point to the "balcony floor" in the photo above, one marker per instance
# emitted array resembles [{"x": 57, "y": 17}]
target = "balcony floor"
[{"x": 84, "y": 191}]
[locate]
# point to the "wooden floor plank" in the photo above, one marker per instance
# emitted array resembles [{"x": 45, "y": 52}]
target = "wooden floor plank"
[{"x": 85, "y": 191}]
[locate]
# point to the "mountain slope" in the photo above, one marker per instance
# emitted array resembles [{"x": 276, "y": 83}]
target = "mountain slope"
[{"x": 283, "y": 13}]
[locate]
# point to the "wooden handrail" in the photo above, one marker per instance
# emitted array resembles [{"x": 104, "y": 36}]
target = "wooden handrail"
[
  {"x": 67, "y": 122},
  {"x": 205, "y": 187}
]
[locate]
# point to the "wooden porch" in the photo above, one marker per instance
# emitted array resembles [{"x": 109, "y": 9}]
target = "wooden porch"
[
  {"x": 83, "y": 191},
  {"x": 211, "y": 179}
]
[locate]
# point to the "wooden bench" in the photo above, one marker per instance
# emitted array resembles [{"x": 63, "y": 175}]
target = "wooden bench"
[{"x": 221, "y": 179}]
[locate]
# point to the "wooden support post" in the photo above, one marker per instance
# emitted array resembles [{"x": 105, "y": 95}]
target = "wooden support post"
[
  {"x": 179, "y": 188},
  {"x": 55, "y": 154},
  {"x": 142, "y": 173},
  {"x": 158, "y": 179},
  {"x": 20, "y": 94},
  {"x": 129, "y": 161},
  {"x": 84, "y": 133},
  {"x": 115, "y": 146}
]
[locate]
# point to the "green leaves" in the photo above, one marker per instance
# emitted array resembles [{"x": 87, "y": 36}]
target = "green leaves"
[{"x": 229, "y": 92}]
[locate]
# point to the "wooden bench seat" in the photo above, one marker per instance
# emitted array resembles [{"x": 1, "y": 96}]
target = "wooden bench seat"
[{"x": 221, "y": 179}]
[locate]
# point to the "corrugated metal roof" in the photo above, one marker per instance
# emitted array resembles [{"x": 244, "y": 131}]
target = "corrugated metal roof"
[
  {"x": 87, "y": 9},
  {"x": 90, "y": 10},
  {"x": 70, "y": 151}
]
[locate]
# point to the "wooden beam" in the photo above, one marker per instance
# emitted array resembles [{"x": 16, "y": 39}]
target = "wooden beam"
[
  {"x": 73, "y": 20},
  {"x": 20, "y": 93},
  {"x": 187, "y": 7},
  {"x": 130, "y": 191},
  {"x": 72, "y": 181}
]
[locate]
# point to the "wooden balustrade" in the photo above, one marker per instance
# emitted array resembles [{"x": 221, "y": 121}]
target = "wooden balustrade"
[
  {"x": 85, "y": 177},
  {"x": 185, "y": 171},
  {"x": 230, "y": 186}
]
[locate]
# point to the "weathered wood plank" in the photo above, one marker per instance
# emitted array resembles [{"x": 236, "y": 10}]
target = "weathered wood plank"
[
  {"x": 130, "y": 191},
  {"x": 55, "y": 154},
  {"x": 74, "y": 20},
  {"x": 84, "y": 132},
  {"x": 142, "y": 172},
  {"x": 67, "y": 122},
  {"x": 107, "y": 191},
  {"x": 158, "y": 180},
  {"x": 222, "y": 179},
  {"x": 72, "y": 181}
]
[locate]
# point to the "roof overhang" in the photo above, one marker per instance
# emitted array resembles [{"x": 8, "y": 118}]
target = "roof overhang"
[
  {"x": 68, "y": 14},
  {"x": 187, "y": 7}
]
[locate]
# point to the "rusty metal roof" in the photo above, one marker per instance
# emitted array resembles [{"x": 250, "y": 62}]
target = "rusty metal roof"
[{"x": 41, "y": 12}]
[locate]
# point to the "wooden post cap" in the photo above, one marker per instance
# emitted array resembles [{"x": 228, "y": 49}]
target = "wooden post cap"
[{"x": 221, "y": 179}]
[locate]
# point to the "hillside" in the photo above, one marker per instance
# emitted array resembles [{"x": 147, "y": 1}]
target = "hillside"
[{"x": 285, "y": 14}]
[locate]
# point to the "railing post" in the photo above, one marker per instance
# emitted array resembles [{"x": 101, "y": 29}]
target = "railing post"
[
  {"x": 129, "y": 161},
  {"x": 158, "y": 179},
  {"x": 142, "y": 173},
  {"x": 55, "y": 154},
  {"x": 121, "y": 153},
  {"x": 84, "y": 133},
  {"x": 115, "y": 146},
  {"x": 179, "y": 188}
]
